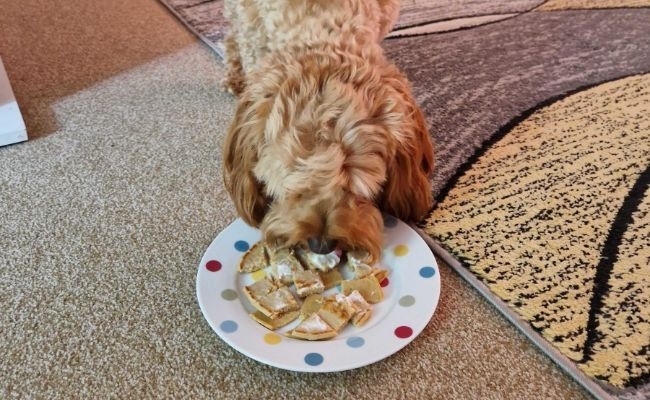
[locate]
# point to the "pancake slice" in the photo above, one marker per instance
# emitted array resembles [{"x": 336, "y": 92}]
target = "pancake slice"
[
  {"x": 254, "y": 259},
  {"x": 313, "y": 328},
  {"x": 308, "y": 282}
]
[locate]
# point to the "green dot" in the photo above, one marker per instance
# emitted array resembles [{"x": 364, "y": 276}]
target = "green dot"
[
  {"x": 407, "y": 301},
  {"x": 229, "y": 294}
]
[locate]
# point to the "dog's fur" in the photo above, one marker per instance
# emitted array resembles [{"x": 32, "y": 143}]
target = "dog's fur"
[{"x": 326, "y": 132}]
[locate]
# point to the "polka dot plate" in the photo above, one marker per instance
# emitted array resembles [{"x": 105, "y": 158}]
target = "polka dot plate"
[{"x": 411, "y": 294}]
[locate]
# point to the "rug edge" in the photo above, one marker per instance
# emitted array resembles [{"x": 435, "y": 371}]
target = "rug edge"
[
  {"x": 591, "y": 386},
  {"x": 201, "y": 37}
]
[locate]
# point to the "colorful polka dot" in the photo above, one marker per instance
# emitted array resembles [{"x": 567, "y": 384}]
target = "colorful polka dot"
[
  {"x": 384, "y": 282},
  {"x": 390, "y": 221},
  {"x": 228, "y": 326},
  {"x": 400, "y": 250},
  {"x": 272, "y": 338},
  {"x": 229, "y": 294},
  {"x": 403, "y": 332},
  {"x": 314, "y": 359},
  {"x": 427, "y": 272},
  {"x": 213, "y": 265},
  {"x": 406, "y": 301},
  {"x": 259, "y": 274},
  {"x": 355, "y": 342},
  {"x": 242, "y": 245}
]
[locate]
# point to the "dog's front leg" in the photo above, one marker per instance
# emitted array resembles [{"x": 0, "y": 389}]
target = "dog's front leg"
[{"x": 235, "y": 80}]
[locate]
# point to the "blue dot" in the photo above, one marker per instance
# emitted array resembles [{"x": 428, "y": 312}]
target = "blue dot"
[
  {"x": 314, "y": 359},
  {"x": 242, "y": 245},
  {"x": 427, "y": 272},
  {"x": 355, "y": 342},
  {"x": 228, "y": 326},
  {"x": 390, "y": 221}
]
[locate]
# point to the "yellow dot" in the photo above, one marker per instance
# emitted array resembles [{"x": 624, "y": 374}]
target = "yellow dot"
[
  {"x": 400, "y": 250},
  {"x": 272, "y": 338},
  {"x": 257, "y": 275}
]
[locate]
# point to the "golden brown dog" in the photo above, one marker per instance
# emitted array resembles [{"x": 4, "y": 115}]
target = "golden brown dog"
[{"x": 326, "y": 132}]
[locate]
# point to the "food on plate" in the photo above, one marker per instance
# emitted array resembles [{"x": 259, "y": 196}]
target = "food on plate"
[
  {"x": 308, "y": 282},
  {"x": 380, "y": 274},
  {"x": 270, "y": 299},
  {"x": 284, "y": 264},
  {"x": 275, "y": 323},
  {"x": 362, "y": 309},
  {"x": 361, "y": 270},
  {"x": 336, "y": 311},
  {"x": 299, "y": 286},
  {"x": 368, "y": 287},
  {"x": 313, "y": 328},
  {"x": 311, "y": 305},
  {"x": 357, "y": 263},
  {"x": 331, "y": 278},
  {"x": 254, "y": 259},
  {"x": 324, "y": 317},
  {"x": 321, "y": 262},
  {"x": 261, "y": 288}
]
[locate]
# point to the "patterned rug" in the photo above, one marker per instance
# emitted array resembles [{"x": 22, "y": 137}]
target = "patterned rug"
[{"x": 541, "y": 116}]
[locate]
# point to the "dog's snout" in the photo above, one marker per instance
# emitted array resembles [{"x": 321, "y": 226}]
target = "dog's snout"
[{"x": 321, "y": 245}]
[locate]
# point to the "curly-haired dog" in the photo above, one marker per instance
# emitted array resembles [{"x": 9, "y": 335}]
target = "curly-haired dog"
[{"x": 326, "y": 132}]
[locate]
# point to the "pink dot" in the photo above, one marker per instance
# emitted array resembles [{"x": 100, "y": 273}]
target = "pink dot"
[
  {"x": 213, "y": 265},
  {"x": 403, "y": 332},
  {"x": 384, "y": 282}
]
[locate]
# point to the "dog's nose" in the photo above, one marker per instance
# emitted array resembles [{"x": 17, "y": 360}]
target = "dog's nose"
[{"x": 321, "y": 246}]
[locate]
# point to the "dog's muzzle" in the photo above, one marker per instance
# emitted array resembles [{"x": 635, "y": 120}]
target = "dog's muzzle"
[{"x": 321, "y": 245}]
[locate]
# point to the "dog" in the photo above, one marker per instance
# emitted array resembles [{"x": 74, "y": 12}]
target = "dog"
[{"x": 326, "y": 133}]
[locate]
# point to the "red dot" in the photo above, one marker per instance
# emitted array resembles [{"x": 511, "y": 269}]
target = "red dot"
[
  {"x": 213, "y": 265},
  {"x": 403, "y": 332},
  {"x": 384, "y": 282}
]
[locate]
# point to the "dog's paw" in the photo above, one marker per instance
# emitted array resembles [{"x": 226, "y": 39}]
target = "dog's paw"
[{"x": 234, "y": 86}]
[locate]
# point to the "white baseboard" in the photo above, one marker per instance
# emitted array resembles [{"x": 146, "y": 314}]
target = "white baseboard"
[{"x": 12, "y": 126}]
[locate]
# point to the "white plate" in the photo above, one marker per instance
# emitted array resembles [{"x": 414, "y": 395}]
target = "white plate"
[{"x": 411, "y": 296}]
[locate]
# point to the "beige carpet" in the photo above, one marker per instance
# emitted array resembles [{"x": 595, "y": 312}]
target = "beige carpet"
[{"x": 107, "y": 210}]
